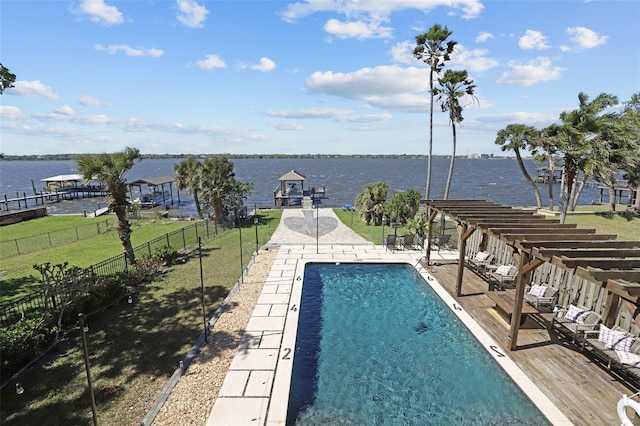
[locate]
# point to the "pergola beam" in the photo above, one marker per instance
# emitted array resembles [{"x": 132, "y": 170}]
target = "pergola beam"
[{"x": 603, "y": 275}]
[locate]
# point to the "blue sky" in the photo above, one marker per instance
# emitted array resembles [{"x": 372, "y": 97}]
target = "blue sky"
[{"x": 327, "y": 76}]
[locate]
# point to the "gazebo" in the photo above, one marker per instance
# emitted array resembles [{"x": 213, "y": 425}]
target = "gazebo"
[
  {"x": 608, "y": 269},
  {"x": 288, "y": 193}
]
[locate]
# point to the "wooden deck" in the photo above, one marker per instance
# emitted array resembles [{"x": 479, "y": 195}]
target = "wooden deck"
[{"x": 581, "y": 388}]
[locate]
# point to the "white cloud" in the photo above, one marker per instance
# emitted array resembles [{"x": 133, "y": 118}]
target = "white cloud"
[
  {"x": 564, "y": 48},
  {"x": 360, "y": 30},
  {"x": 129, "y": 51},
  {"x": 265, "y": 65},
  {"x": 191, "y": 14},
  {"x": 368, "y": 82},
  {"x": 210, "y": 62},
  {"x": 89, "y": 101},
  {"x": 65, "y": 110},
  {"x": 533, "y": 40},
  {"x": 293, "y": 11},
  {"x": 340, "y": 115},
  {"x": 528, "y": 118},
  {"x": 473, "y": 60},
  {"x": 402, "y": 53},
  {"x": 586, "y": 38},
  {"x": 532, "y": 72},
  {"x": 483, "y": 37},
  {"x": 32, "y": 89},
  {"x": 288, "y": 125},
  {"x": 11, "y": 113},
  {"x": 100, "y": 12}
]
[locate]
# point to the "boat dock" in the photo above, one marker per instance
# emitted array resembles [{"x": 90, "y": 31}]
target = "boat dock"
[{"x": 289, "y": 194}]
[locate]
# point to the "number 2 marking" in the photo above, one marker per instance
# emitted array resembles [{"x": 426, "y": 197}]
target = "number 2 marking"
[{"x": 287, "y": 352}]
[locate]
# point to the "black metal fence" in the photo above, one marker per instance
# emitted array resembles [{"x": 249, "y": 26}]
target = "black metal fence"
[
  {"x": 176, "y": 240},
  {"x": 60, "y": 237}
]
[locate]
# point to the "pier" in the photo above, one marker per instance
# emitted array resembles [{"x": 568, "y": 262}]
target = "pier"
[{"x": 59, "y": 188}]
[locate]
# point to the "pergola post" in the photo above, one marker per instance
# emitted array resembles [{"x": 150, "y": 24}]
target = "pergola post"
[
  {"x": 522, "y": 259},
  {"x": 464, "y": 232}
]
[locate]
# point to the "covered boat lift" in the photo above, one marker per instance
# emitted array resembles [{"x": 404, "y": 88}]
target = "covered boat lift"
[
  {"x": 288, "y": 194},
  {"x": 612, "y": 265},
  {"x": 152, "y": 184}
]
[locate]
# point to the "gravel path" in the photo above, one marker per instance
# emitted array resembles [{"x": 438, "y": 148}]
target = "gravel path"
[{"x": 192, "y": 398}]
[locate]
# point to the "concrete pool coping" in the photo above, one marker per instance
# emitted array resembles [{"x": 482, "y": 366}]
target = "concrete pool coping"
[{"x": 256, "y": 388}]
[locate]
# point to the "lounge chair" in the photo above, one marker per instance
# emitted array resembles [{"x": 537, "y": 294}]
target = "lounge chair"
[
  {"x": 540, "y": 296},
  {"x": 504, "y": 274},
  {"x": 616, "y": 348},
  {"x": 481, "y": 260},
  {"x": 390, "y": 242},
  {"x": 574, "y": 321},
  {"x": 407, "y": 241},
  {"x": 442, "y": 241}
]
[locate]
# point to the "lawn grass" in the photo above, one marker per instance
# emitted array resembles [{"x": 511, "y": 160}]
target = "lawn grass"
[
  {"x": 16, "y": 271},
  {"x": 134, "y": 348},
  {"x": 624, "y": 228}
]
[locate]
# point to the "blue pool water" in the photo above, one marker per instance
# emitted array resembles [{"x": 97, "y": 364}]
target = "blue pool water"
[{"x": 377, "y": 346}]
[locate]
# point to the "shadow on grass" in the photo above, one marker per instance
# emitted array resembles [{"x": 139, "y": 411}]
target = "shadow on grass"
[{"x": 15, "y": 288}]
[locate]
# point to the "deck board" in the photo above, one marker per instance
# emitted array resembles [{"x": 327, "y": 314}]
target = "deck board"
[{"x": 582, "y": 389}]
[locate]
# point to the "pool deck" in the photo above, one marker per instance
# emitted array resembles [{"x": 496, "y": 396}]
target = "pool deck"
[{"x": 566, "y": 385}]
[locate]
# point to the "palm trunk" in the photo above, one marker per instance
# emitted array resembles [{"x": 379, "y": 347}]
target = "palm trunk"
[
  {"x": 551, "y": 176},
  {"x": 528, "y": 178},
  {"x": 568, "y": 177},
  {"x": 428, "y": 190},
  {"x": 451, "y": 163},
  {"x": 196, "y": 199},
  {"x": 612, "y": 197},
  {"x": 124, "y": 233}
]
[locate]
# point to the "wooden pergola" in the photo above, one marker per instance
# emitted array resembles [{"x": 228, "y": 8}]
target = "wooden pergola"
[{"x": 535, "y": 239}]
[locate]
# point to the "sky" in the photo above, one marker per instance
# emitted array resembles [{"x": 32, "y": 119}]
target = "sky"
[{"x": 303, "y": 77}]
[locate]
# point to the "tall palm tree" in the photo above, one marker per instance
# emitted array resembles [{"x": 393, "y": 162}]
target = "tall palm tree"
[
  {"x": 453, "y": 86},
  {"x": 545, "y": 150},
  {"x": 110, "y": 170},
  {"x": 189, "y": 177},
  {"x": 220, "y": 187},
  {"x": 516, "y": 137},
  {"x": 433, "y": 49}
]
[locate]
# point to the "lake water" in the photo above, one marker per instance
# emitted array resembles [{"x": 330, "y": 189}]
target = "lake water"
[{"x": 497, "y": 180}]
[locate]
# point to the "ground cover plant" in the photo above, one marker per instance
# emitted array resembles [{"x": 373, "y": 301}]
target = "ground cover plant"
[
  {"x": 134, "y": 348},
  {"x": 16, "y": 272}
]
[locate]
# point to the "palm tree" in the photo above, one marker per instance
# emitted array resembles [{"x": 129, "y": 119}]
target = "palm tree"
[
  {"x": 515, "y": 137},
  {"x": 432, "y": 50},
  {"x": 453, "y": 86},
  {"x": 370, "y": 202},
  {"x": 7, "y": 78},
  {"x": 220, "y": 187},
  {"x": 189, "y": 177},
  {"x": 574, "y": 139},
  {"x": 110, "y": 170}
]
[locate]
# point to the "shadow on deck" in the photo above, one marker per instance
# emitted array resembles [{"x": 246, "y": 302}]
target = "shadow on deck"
[{"x": 585, "y": 391}]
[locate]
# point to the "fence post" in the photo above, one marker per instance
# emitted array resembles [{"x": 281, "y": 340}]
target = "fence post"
[
  {"x": 17, "y": 246},
  {"x": 167, "y": 238},
  {"x": 49, "y": 235},
  {"x": 149, "y": 248},
  {"x": 77, "y": 235},
  {"x": 184, "y": 241},
  {"x": 126, "y": 266}
]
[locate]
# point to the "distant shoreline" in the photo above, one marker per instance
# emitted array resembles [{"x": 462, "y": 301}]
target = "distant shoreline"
[{"x": 49, "y": 157}]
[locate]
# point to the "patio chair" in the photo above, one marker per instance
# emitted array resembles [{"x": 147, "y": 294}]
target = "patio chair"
[
  {"x": 442, "y": 241},
  {"x": 504, "y": 274},
  {"x": 407, "y": 241},
  {"x": 574, "y": 321},
  {"x": 481, "y": 260},
  {"x": 390, "y": 242},
  {"x": 540, "y": 296}
]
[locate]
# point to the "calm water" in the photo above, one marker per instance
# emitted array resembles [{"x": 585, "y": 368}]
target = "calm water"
[
  {"x": 358, "y": 361},
  {"x": 497, "y": 180}
]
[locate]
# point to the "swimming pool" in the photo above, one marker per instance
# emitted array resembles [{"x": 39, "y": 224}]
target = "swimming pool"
[{"x": 376, "y": 345}]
